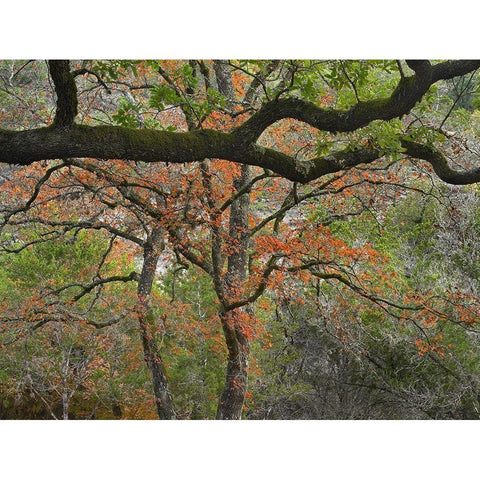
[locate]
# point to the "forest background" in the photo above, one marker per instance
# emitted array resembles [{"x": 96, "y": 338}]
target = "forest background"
[{"x": 258, "y": 446}]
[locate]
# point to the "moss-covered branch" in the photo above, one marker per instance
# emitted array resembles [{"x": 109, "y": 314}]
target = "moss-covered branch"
[
  {"x": 440, "y": 164},
  {"x": 64, "y": 139},
  {"x": 408, "y": 92},
  {"x": 108, "y": 142}
]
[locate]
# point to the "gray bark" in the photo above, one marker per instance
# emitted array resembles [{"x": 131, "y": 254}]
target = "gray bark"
[
  {"x": 233, "y": 397},
  {"x": 153, "y": 358}
]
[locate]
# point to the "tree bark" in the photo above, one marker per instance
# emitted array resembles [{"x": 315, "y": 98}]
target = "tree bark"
[
  {"x": 66, "y": 90},
  {"x": 64, "y": 139},
  {"x": 145, "y": 316},
  {"x": 232, "y": 399},
  {"x": 233, "y": 322}
]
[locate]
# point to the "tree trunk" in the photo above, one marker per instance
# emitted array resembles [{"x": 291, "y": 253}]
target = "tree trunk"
[
  {"x": 231, "y": 402},
  {"x": 146, "y": 322},
  {"x": 65, "y": 405},
  {"x": 233, "y": 396}
]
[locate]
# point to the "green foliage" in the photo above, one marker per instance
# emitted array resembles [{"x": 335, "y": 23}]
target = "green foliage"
[
  {"x": 91, "y": 368},
  {"x": 110, "y": 70},
  {"x": 308, "y": 82},
  {"x": 127, "y": 114},
  {"x": 191, "y": 343},
  {"x": 384, "y": 136},
  {"x": 425, "y": 134},
  {"x": 163, "y": 95},
  {"x": 54, "y": 263}
]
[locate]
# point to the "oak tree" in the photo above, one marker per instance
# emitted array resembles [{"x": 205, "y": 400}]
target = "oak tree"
[{"x": 156, "y": 171}]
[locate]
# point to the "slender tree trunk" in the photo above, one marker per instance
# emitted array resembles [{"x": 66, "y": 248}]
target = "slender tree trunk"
[
  {"x": 65, "y": 405},
  {"x": 231, "y": 402},
  {"x": 146, "y": 322},
  {"x": 65, "y": 375},
  {"x": 233, "y": 322}
]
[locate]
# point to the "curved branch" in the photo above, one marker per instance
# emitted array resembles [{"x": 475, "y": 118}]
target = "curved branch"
[
  {"x": 73, "y": 225},
  {"x": 133, "y": 276},
  {"x": 440, "y": 164},
  {"x": 107, "y": 142},
  {"x": 83, "y": 71},
  {"x": 104, "y": 142},
  {"x": 36, "y": 191},
  {"x": 408, "y": 92}
]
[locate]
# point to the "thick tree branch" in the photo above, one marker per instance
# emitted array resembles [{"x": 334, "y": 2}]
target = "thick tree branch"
[
  {"x": 103, "y": 142},
  {"x": 453, "y": 68},
  {"x": 440, "y": 164},
  {"x": 408, "y": 92},
  {"x": 107, "y": 142}
]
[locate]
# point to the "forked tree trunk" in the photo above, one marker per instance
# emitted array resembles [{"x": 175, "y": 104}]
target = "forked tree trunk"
[
  {"x": 233, "y": 397},
  {"x": 145, "y": 316}
]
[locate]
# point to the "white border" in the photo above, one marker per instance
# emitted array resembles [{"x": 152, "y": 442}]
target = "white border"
[{"x": 239, "y": 29}]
